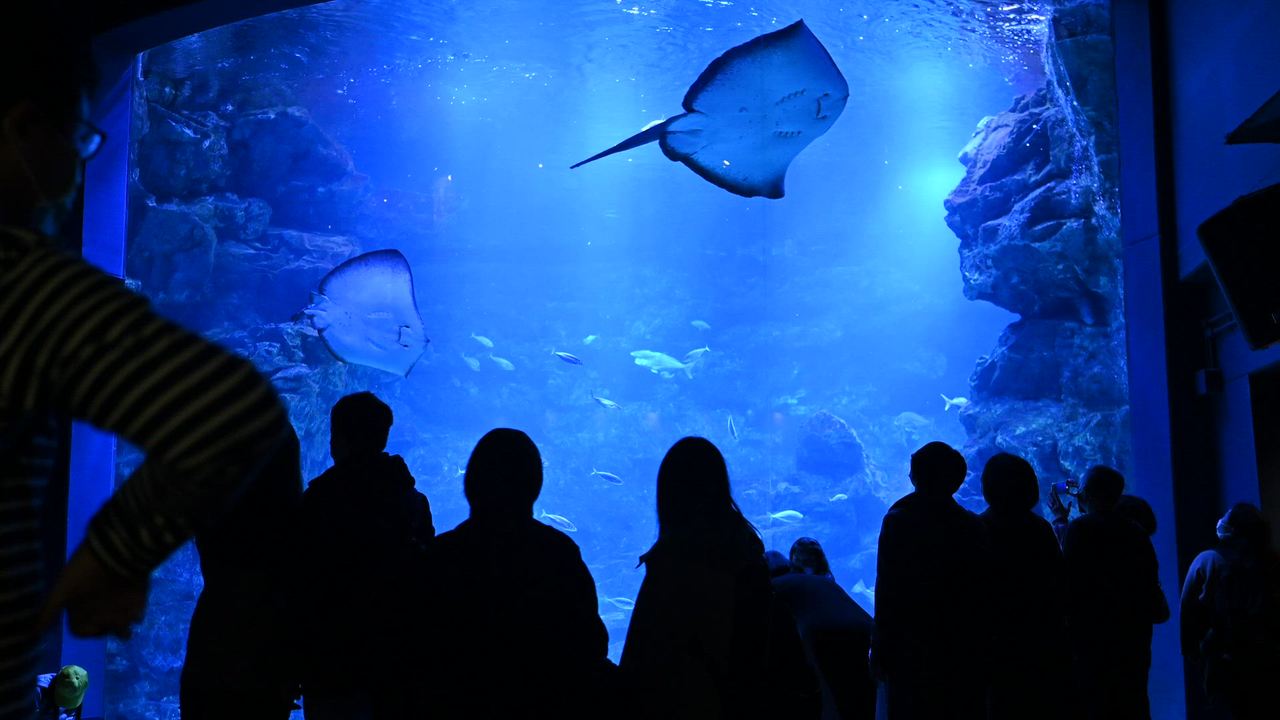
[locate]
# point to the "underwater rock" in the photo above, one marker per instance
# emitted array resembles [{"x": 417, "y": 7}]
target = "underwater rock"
[
  {"x": 172, "y": 254},
  {"x": 1082, "y": 38},
  {"x": 275, "y": 277},
  {"x": 1029, "y": 238},
  {"x": 1048, "y": 359},
  {"x": 309, "y": 179},
  {"x": 1038, "y": 236},
  {"x": 829, "y": 447},
  {"x": 238, "y": 218},
  {"x": 177, "y": 246},
  {"x": 182, "y": 155}
]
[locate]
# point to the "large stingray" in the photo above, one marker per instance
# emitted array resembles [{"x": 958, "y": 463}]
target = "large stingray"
[
  {"x": 751, "y": 112},
  {"x": 366, "y": 313}
]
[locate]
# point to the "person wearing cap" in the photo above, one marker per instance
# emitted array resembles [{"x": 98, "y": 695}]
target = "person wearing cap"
[
  {"x": 60, "y": 695},
  {"x": 1112, "y": 576},
  {"x": 1231, "y": 616}
]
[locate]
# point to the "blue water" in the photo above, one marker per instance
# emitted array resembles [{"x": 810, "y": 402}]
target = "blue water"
[{"x": 845, "y": 296}]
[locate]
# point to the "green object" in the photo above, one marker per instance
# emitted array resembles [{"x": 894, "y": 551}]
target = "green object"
[{"x": 69, "y": 686}]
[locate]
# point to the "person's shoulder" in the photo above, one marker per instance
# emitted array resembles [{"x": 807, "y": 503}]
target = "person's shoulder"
[
  {"x": 903, "y": 505},
  {"x": 319, "y": 486},
  {"x": 19, "y": 246},
  {"x": 1207, "y": 559},
  {"x": 1086, "y": 522},
  {"x": 550, "y": 537}
]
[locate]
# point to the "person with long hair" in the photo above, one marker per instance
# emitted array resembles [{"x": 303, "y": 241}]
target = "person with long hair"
[
  {"x": 697, "y": 646},
  {"x": 834, "y": 631}
]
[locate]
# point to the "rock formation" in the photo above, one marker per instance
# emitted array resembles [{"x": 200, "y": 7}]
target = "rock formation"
[{"x": 1036, "y": 214}]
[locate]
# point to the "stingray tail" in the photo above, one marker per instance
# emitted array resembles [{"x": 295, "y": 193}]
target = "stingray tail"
[{"x": 644, "y": 137}]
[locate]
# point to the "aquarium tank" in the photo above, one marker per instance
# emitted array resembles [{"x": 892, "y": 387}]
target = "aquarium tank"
[{"x": 829, "y": 244}]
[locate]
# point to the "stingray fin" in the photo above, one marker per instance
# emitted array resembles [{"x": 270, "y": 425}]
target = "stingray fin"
[
  {"x": 1263, "y": 126},
  {"x": 644, "y": 137}
]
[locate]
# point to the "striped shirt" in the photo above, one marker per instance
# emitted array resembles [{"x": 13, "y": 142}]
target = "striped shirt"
[{"x": 75, "y": 344}]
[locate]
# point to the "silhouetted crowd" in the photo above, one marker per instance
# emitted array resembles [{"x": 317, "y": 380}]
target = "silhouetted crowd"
[
  {"x": 368, "y": 614},
  {"x": 344, "y": 596}
]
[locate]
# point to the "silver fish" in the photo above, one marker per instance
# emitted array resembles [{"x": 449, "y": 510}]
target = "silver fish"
[
  {"x": 607, "y": 476},
  {"x": 471, "y": 362},
  {"x": 589, "y": 339},
  {"x": 660, "y": 363},
  {"x": 568, "y": 357},
  {"x": 787, "y": 516},
  {"x": 695, "y": 355},
  {"x": 733, "y": 429},
  {"x": 605, "y": 402},
  {"x": 559, "y": 521},
  {"x": 955, "y": 402},
  {"x": 700, "y": 324},
  {"x": 621, "y": 603},
  {"x": 838, "y": 497},
  {"x": 482, "y": 340},
  {"x": 503, "y": 363},
  {"x": 291, "y": 371}
]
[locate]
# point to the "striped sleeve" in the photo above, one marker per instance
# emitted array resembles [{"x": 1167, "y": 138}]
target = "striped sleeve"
[{"x": 74, "y": 341}]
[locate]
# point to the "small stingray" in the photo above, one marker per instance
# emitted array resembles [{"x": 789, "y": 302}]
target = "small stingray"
[
  {"x": 751, "y": 112},
  {"x": 366, "y": 313},
  {"x": 1263, "y": 126}
]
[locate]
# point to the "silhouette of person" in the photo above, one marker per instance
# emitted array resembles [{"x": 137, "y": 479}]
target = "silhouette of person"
[
  {"x": 777, "y": 563},
  {"x": 75, "y": 344},
  {"x": 1111, "y": 585},
  {"x": 932, "y": 590},
  {"x": 697, "y": 646},
  {"x": 1139, "y": 512},
  {"x": 511, "y": 626},
  {"x": 1231, "y": 616},
  {"x": 1028, "y": 620},
  {"x": 808, "y": 557},
  {"x": 238, "y": 662},
  {"x": 794, "y": 691},
  {"x": 835, "y": 630},
  {"x": 362, "y": 528}
]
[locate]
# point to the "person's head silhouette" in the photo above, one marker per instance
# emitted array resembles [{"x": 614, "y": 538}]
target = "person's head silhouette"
[
  {"x": 358, "y": 427},
  {"x": 938, "y": 469},
  {"x": 693, "y": 485},
  {"x": 808, "y": 557},
  {"x": 45, "y": 134},
  {"x": 1139, "y": 511},
  {"x": 1102, "y": 489},
  {"x": 1009, "y": 484},
  {"x": 778, "y": 563},
  {"x": 696, "y": 510},
  {"x": 1246, "y": 527},
  {"x": 504, "y": 475}
]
